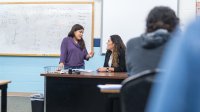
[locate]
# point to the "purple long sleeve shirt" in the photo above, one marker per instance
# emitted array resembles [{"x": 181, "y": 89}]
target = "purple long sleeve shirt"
[{"x": 71, "y": 53}]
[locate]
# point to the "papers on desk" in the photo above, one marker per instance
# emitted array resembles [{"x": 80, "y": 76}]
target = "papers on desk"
[
  {"x": 83, "y": 70},
  {"x": 80, "y": 70},
  {"x": 110, "y": 87}
]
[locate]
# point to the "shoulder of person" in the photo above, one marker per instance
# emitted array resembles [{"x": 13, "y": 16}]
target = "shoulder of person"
[
  {"x": 133, "y": 41},
  {"x": 67, "y": 39},
  {"x": 108, "y": 52}
]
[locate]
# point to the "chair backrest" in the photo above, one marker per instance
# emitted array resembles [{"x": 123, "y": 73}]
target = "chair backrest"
[{"x": 135, "y": 91}]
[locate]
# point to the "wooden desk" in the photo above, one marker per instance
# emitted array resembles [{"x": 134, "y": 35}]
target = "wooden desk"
[
  {"x": 3, "y": 87},
  {"x": 78, "y": 93}
]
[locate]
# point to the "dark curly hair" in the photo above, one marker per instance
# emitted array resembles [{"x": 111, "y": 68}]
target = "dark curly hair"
[{"x": 161, "y": 17}]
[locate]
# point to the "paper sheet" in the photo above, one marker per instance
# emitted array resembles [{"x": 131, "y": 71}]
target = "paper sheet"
[{"x": 110, "y": 86}]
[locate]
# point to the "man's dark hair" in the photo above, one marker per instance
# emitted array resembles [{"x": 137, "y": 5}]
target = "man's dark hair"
[{"x": 161, "y": 18}]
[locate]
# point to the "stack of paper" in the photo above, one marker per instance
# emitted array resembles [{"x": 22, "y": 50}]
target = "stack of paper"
[{"x": 110, "y": 87}]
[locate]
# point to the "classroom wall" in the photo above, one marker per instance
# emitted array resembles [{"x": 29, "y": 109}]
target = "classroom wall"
[
  {"x": 187, "y": 12},
  {"x": 24, "y": 72}
]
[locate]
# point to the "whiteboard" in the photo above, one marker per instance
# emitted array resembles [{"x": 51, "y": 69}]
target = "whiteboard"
[
  {"x": 127, "y": 18},
  {"x": 38, "y": 29}
]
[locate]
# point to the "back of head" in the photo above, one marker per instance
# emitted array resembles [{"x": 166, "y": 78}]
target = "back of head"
[{"x": 161, "y": 18}]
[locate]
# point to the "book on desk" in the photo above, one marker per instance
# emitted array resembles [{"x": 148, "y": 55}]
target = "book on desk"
[{"x": 110, "y": 88}]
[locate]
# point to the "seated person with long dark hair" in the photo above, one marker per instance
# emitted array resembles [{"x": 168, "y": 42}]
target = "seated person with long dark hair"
[
  {"x": 144, "y": 52},
  {"x": 115, "y": 55}
]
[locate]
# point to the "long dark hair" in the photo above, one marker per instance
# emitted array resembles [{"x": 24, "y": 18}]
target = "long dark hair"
[
  {"x": 72, "y": 35},
  {"x": 161, "y": 17},
  {"x": 118, "y": 45}
]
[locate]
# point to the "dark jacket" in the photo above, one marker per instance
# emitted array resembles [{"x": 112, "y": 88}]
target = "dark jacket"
[
  {"x": 122, "y": 61},
  {"x": 145, "y": 52}
]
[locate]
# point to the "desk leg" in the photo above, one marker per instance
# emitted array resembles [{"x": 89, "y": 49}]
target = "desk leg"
[{"x": 4, "y": 99}]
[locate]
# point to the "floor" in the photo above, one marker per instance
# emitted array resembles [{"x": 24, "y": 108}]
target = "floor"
[{"x": 18, "y": 102}]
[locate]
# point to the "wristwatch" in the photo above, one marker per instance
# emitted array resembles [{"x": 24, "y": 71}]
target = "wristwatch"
[{"x": 107, "y": 69}]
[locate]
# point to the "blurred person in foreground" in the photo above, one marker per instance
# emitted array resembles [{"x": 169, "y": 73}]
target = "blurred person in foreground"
[
  {"x": 178, "y": 88},
  {"x": 144, "y": 52}
]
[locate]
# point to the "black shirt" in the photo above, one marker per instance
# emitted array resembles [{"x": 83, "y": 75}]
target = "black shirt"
[{"x": 122, "y": 61}]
